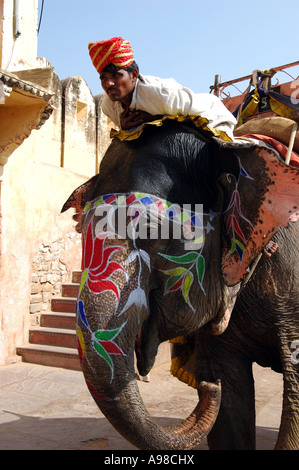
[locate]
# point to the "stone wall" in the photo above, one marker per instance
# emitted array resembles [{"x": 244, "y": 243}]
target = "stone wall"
[
  {"x": 79, "y": 137},
  {"x": 50, "y": 269}
]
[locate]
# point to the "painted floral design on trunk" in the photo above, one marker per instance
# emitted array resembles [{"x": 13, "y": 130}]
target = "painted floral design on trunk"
[{"x": 103, "y": 340}]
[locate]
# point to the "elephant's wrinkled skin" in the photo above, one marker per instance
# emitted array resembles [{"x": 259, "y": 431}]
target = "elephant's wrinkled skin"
[
  {"x": 145, "y": 291},
  {"x": 264, "y": 327}
]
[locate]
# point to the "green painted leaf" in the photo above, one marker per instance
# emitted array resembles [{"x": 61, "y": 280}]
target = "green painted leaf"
[
  {"x": 233, "y": 246},
  {"x": 101, "y": 351},
  {"x": 106, "y": 335},
  {"x": 87, "y": 207},
  {"x": 83, "y": 279},
  {"x": 98, "y": 201},
  {"x": 184, "y": 259},
  {"x": 175, "y": 271},
  {"x": 200, "y": 267},
  {"x": 240, "y": 245},
  {"x": 199, "y": 240},
  {"x": 186, "y": 286},
  {"x": 140, "y": 195}
]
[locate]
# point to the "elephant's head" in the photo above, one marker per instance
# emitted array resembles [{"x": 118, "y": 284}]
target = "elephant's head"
[{"x": 164, "y": 262}]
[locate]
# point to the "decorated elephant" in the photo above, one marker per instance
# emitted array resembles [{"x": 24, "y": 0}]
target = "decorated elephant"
[{"x": 171, "y": 227}]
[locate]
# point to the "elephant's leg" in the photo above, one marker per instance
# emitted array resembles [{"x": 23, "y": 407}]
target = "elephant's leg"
[
  {"x": 288, "y": 437},
  {"x": 234, "y": 428}
]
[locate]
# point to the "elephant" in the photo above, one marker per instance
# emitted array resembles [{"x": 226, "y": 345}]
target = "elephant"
[
  {"x": 263, "y": 329},
  {"x": 171, "y": 226}
]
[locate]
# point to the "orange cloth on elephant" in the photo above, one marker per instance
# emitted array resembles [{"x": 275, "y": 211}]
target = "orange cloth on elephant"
[{"x": 116, "y": 51}]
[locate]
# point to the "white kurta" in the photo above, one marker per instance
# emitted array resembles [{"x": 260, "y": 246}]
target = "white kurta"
[{"x": 159, "y": 96}]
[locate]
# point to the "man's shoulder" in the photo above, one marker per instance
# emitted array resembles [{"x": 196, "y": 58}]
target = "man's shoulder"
[{"x": 158, "y": 83}]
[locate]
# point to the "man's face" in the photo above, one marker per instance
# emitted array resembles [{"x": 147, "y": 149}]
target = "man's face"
[{"x": 119, "y": 85}]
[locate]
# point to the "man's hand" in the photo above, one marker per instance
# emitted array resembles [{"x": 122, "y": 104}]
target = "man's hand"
[{"x": 130, "y": 119}]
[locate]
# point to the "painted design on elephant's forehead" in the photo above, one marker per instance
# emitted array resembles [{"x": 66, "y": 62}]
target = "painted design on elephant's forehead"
[
  {"x": 128, "y": 199},
  {"x": 99, "y": 278},
  {"x": 97, "y": 266},
  {"x": 103, "y": 340},
  {"x": 171, "y": 211},
  {"x": 181, "y": 277},
  {"x": 236, "y": 216}
]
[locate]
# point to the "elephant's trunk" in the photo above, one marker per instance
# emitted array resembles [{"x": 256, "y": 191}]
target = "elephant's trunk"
[
  {"x": 113, "y": 305},
  {"x": 129, "y": 416}
]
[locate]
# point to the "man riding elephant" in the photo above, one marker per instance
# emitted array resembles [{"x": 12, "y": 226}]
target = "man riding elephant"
[{"x": 132, "y": 99}]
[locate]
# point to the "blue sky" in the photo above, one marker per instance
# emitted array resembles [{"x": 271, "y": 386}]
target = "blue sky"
[{"x": 189, "y": 40}]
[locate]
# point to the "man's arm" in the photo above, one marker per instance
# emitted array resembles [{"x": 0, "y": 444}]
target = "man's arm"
[{"x": 130, "y": 119}]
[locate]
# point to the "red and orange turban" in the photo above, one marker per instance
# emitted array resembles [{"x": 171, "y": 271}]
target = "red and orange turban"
[{"x": 116, "y": 51}]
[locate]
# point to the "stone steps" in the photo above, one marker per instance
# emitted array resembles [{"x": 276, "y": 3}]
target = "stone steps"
[
  {"x": 53, "y": 337},
  {"x": 64, "y": 304},
  {"x": 54, "y": 356},
  {"x": 70, "y": 290},
  {"x": 58, "y": 320},
  {"x": 54, "y": 342},
  {"x": 76, "y": 277}
]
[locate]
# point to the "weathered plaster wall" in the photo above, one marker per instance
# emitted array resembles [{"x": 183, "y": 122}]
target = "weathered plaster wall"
[
  {"x": 18, "y": 51},
  {"x": 79, "y": 127},
  {"x": 32, "y": 196},
  {"x": 40, "y": 247}
]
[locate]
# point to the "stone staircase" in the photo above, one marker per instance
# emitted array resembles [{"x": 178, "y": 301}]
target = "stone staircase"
[{"x": 54, "y": 342}]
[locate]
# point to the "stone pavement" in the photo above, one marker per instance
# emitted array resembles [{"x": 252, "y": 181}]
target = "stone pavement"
[{"x": 47, "y": 408}]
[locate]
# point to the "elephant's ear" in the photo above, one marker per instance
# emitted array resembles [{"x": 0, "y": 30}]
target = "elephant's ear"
[
  {"x": 78, "y": 199},
  {"x": 264, "y": 196},
  {"x": 79, "y": 196}
]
